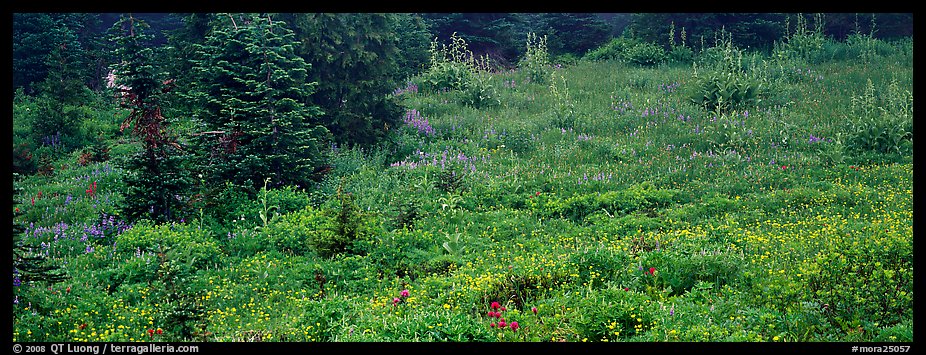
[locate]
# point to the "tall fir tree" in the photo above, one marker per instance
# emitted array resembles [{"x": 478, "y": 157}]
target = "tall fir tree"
[
  {"x": 252, "y": 93},
  {"x": 157, "y": 179},
  {"x": 354, "y": 59}
]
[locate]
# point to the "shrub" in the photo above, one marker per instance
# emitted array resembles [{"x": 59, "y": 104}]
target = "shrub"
[
  {"x": 302, "y": 232},
  {"x": 645, "y": 54},
  {"x": 191, "y": 247},
  {"x": 347, "y": 230},
  {"x": 680, "y": 55},
  {"x": 613, "y": 50}
]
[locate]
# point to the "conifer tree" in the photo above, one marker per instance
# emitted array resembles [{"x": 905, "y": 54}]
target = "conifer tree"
[
  {"x": 253, "y": 98},
  {"x": 62, "y": 91},
  {"x": 354, "y": 59},
  {"x": 156, "y": 179}
]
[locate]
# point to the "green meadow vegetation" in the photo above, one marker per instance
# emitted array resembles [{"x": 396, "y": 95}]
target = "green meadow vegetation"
[{"x": 640, "y": 193}]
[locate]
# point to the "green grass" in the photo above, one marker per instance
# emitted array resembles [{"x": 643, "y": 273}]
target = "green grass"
[{"x": 754, "y": 231}]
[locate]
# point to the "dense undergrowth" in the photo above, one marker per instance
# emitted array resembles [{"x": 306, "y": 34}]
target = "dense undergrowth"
[{"x": 770, "y": 201}]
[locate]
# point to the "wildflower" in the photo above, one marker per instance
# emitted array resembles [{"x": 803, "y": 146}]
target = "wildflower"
[
  {"x": 672, "y": 311},
  {"x": 491, "y": 314},
  {"x": 159, "y": 331},
  {"x": 514, "y": 326},
  {"x": 404, "y": 293},
  {"x": 492, "y": 325},
  {"x": 534, "y": 309},
  {"x": 495, "y": 305},
  {"x": 501, "y": 323},
  {"x": 395, "y": 301},
  {"x": 626, "y": 288},
  {"x": 150, "y": 332},
  {"x": 651, "y": 271}
]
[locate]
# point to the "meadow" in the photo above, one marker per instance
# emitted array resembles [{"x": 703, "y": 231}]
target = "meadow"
[{"x": 595, "y": 203}]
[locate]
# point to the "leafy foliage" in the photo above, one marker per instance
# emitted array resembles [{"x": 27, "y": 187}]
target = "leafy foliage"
[
  {"x": 453, "y": 67},
  {"x": 30, "y": 264},
  {"x": 536, "y": 60},
  {"x": 726, "y": 84},
  {"x": 612, "y": 50},
  {"x": 882, "y": 125},
  {"x": 645, "y": 54}
]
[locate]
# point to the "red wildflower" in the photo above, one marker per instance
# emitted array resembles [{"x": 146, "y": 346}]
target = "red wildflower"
[
  {"x": 652, "y": 271},
  {"x": 404, "y": 293},
  {"x": 82, "y": 326},
  {"x": 503, "y": 309},
  {"x": 626, "y": 288},
  {"x": 495, "y": 305},
  {"x": 492, "y": 324},
  {"x": 68, "y": 290},
  {"x": 538, "y": 193},
  {"x": 514, "y": 326},
  {"x": 160, "y": 331},
  {"x": 150, "y": 332},
  {"x": 501, "y": 323},
  {"x": 534, "y": 309}
]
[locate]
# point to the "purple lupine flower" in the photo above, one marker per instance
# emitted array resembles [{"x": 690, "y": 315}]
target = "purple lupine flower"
[
  {"x": 813, "y": 139},
  {"x": 16, "y": 281},
  {"x": 413, "y": 118}
]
